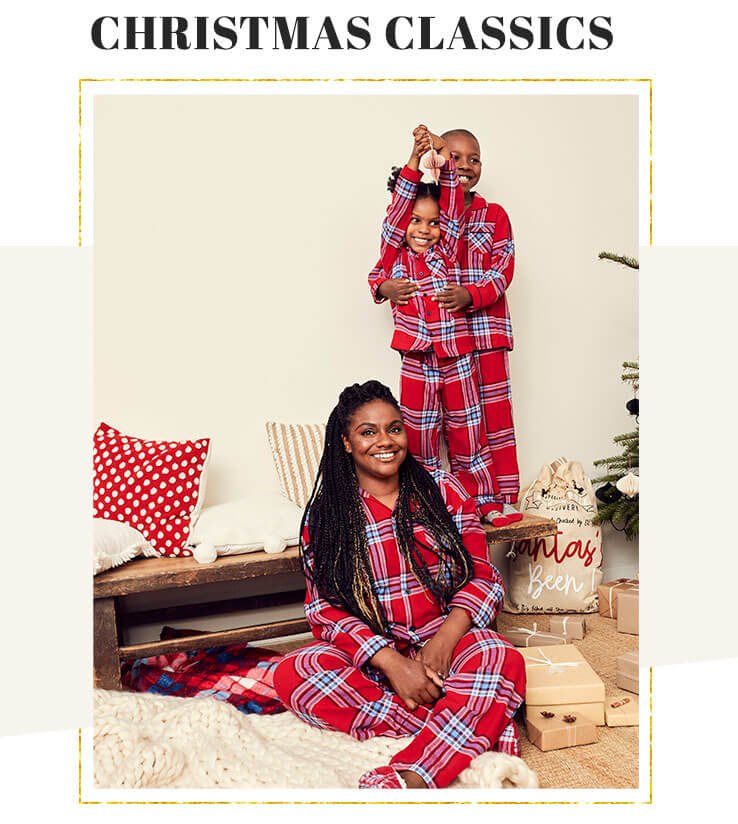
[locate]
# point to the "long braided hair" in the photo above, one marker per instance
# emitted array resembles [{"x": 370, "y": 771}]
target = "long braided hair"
[{"x": 336, "y": 559}]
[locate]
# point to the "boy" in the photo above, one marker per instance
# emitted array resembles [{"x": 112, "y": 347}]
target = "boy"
[{"x": 487, "y": 260}]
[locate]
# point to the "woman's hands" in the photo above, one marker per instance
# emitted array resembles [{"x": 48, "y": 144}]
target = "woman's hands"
[
  {"x": 420, "y": 680},
  {"x": 413, "y": 680},
  {"x": 438, "y": 651},
  {"x": 436, "y": 654}
]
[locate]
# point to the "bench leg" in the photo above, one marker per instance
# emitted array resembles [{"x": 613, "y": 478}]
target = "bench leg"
[{"x": 106, "y": 658}]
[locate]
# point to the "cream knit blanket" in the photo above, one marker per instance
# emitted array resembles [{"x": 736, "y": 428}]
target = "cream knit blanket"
[{"x": 144, "y": 740}]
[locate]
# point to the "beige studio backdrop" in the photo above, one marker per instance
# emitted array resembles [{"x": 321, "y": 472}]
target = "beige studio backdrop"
[{"x": 234, "y": 234}]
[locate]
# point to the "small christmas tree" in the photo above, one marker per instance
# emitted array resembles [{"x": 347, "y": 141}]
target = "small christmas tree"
[{"x": 619, "y": 494}]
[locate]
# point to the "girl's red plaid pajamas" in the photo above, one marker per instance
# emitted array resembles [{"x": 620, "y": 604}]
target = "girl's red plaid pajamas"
[
  {"x": 330, "y": 684},
  {"x": 438, "y": 380}
]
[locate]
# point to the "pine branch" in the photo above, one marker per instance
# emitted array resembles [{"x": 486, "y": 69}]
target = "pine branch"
[
  {"x": 618, "y": 462},
  {"x": 626, "y": 438},
  {"x": 621, "y": 514},
  {"x": 626, "y": 261}
]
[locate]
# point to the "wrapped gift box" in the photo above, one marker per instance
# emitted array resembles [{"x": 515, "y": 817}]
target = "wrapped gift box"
[
  {"x": 628, "y": 611},
  {"x": 626, "y": 671},
  {"x": 563, "y": 730},
  {"x": 621, "y": 711},
  {"x": 572, "y": 627},
  {"x": 625, "y": 682},
  {"x": 524, "y": 637},
  {"x": 559, "y": 675},
  {"x": 608, "y": 595},
  {"x": 594, "y": 712}
]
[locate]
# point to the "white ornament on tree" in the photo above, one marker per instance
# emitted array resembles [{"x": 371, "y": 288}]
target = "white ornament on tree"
[{"x": 628, "y": 485}]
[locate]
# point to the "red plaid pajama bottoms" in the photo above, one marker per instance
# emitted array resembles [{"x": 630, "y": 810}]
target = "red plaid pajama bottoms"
[
  {"x": 443, "y": 393},
  {"x": 485, "y": 686},
  {"x": 496, "y": 397}
]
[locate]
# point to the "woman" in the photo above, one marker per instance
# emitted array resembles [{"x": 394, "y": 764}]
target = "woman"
[{"x": 400, "y": 595}]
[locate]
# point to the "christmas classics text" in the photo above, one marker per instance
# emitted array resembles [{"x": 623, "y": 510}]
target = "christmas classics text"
[{"x": 402, "y": 33}]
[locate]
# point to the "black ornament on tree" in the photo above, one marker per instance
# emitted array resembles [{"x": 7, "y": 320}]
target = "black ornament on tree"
[
  {"x": 632, "y": 406},
  {"x": 608, "y": 494}
]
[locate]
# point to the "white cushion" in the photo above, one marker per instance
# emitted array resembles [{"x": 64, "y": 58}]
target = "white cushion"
[
  {"x": 114, "y": 543},
  {"x": 269, "y": 522}
]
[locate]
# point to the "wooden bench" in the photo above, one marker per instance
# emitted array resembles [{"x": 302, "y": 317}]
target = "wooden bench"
[{"x": 159, "y": 574}]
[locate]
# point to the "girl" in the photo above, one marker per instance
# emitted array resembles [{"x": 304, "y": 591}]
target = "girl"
[
  {"x": 400, "y": 596},
  {"x": 438, "y": 379}
]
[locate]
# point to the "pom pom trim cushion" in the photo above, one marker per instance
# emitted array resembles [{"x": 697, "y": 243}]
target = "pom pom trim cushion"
[
  {"x": 156, "y": 487},
  {"x": 266, "y": 522}
]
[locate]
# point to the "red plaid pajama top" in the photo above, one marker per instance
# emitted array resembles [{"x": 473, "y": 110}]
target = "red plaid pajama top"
[
  {"x": 422, "y": 324},
  {"x": 486, "y": 254},
  {"x": 414, "y": 615}
]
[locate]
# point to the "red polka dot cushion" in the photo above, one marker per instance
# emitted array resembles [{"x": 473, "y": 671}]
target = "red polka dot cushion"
[{"x": 157, "y": 487}]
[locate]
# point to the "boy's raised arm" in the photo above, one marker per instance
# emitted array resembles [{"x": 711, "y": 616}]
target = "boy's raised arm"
[{"x": 451, "y": 202}]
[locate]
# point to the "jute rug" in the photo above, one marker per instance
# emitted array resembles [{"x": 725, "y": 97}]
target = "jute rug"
[
  {"x": 613, "y": 760},
  {"x": 145, "y": 741},
  {"x": 151, "y": 741}
]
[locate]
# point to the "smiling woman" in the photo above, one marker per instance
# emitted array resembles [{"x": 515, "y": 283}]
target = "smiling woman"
[
  {"x": 400, "y": 598},
  {"x": 377, "y": 442}
]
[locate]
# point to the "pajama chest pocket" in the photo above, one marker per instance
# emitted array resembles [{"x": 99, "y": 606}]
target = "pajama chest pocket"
[{"x": 480, "y": 241}]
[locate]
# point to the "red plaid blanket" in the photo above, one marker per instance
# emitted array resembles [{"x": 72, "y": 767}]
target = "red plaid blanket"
[{"x": 239, "y": 674}]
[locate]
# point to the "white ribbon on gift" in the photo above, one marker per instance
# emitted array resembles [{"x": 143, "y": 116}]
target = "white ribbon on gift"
[
  {"x": 620, "y": 584},
  {"x": 564, "y": 619},
  {"x": 553, "y": 667},
  {"x": 535, "y": 631}
]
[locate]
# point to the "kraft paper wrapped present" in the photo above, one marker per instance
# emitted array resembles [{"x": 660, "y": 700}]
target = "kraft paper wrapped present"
[
  {"x": 594, "y": 712},
  {"x": 625, "y": 682},
  {"x": 628, "y": 611},
  {"x": 524, "y": 637},
  {"x": 562, "y": 730},
  {"x": 572, "y": 627},
  {"x": 608, "y": 595},
  {"x": 621, "y": 711},
  {"x": 626, "y": 671},
  {"x": 560, "y": 675}
]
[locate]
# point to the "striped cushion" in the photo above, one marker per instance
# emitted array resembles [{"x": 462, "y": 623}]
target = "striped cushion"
[{"x": 296, "y": 449}]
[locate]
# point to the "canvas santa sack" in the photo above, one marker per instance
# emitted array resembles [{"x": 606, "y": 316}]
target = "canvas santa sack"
[{"x": 559, "y": 573}]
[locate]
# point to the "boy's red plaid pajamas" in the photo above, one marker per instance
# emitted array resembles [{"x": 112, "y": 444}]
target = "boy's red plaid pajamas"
[
  {"x": 435, "y": 344},
  {"x": 330, "y": 684},
  {"x": 487, "y": 257}
]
